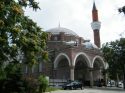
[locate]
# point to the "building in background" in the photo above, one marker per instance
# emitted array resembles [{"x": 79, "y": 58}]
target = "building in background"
[{"x": 72, "y": 57}]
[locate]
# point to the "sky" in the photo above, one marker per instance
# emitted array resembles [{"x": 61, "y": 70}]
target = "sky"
[{"x": 76, "y": 15}]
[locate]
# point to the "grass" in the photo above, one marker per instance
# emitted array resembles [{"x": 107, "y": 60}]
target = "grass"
[{"x": 49, "y": 89}]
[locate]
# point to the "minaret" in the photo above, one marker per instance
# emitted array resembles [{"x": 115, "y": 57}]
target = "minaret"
[{"x": 96, "y": 26}]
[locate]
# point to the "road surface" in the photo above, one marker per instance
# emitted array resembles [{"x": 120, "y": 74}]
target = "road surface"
[{"x": 92, "y": 90}]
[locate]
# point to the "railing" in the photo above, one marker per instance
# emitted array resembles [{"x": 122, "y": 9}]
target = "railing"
[{"x": 57, "y": 82}]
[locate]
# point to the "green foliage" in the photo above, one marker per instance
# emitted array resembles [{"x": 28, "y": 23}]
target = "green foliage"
[
  {"x": 43, "y": 83},
  {"x": 13, "y": 83},
  {"x": 122, "y": 10},
  {"x": 19, "y": 35},
  {"x": 114, "y": 54}
]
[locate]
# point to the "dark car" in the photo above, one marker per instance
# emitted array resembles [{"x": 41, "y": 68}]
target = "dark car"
[{"x": 72, "y": 85}]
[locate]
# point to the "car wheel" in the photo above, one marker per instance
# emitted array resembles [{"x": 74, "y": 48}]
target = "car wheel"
[
  {"x": 64, "y": 88},
  {"x": 75, "y": 87},
  {"x": 71, "y": 88},
  {"x": 82, "y": 88}
]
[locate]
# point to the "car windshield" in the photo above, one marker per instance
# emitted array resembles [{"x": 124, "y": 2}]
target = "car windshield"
[{"x": 72, "y": 82}]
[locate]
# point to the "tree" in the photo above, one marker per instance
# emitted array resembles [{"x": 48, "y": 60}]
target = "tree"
[
  {"x": 114, "y": 53},
  {"x": 122, "y": 10},
  {"x": 18, "y": 33},
  {"x": 19, "y": 36},
  {"x": 14, "y": 81}
]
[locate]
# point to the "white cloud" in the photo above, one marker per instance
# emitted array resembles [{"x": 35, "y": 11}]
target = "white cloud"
[{"x": 76, "y": 15}]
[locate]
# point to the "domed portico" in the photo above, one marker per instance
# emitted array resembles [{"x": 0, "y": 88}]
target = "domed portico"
[{"x": 74, "y": 57}]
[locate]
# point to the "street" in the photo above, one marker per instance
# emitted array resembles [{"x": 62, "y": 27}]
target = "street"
[{"x": 91, "y": 90}]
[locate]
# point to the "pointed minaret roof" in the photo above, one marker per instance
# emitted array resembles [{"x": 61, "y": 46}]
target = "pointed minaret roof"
[{"x": 94, "y": 6}]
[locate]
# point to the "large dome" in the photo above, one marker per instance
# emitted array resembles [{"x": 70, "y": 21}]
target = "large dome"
[{"x": 61, "y": 29}]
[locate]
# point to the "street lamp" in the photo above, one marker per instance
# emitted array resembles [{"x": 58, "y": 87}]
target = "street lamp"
[
  {"x": 100, "y": 76},
  {"x": 52, "y": 58},
  {"x": 100, "y": 72},
  {"x": 124, "y": 76}
]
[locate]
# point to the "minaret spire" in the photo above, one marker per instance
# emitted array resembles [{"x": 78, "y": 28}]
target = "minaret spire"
[
  {"x": 94, "y": 6},
  {"x": 94, "y": 12},
  {"x": 95, "y": 25}
]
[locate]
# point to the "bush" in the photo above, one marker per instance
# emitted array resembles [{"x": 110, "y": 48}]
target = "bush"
[
  {"x": 43, "y": 84},
  {"x": 13, "y": 82}
]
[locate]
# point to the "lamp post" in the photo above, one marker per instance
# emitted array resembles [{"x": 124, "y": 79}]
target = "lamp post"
[
  {"x": 100, "y": 76},
  {"x": 124, "y": 76},
  {"x": 52, "y": 58},
  {"x": 100, "y": 73}
]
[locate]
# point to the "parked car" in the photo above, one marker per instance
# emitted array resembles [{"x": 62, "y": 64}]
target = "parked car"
[
  {"x": 120, "y": 84},
  {"x": 72, "y": 85},
  {"x": 111, "y": 83}
]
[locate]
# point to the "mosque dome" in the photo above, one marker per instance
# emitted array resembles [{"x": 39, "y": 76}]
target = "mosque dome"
[
  {"x": 90, "y": 45},
  {"x": 57, "y": 31}
]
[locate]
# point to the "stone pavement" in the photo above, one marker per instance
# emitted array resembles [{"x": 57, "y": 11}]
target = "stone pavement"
[{"x": 92, "y": 90}]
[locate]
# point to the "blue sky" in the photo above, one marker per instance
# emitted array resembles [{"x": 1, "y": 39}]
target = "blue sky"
[{"x": 76, "y": 15}]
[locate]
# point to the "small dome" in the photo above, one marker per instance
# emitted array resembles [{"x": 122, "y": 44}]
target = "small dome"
[
  {"x": 61, "y": 29},
  {"x": 90, "y": 45}
]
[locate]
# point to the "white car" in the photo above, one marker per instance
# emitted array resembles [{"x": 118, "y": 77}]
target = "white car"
[
  {"x": 120, "y": 84},
  {"x": 111, "y": 83}
]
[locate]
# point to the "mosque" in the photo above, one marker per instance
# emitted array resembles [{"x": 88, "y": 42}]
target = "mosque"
[{"x": 73, "y": 57}]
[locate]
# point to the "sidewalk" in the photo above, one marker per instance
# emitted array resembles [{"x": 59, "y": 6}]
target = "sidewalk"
[
  {"x": 107, "y": 88},
  {"x": 92, "y": 90}
]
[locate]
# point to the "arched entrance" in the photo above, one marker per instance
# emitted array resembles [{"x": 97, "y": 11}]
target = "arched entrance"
[
  {"x": 81, "y": 71},
  {"x": 98, "y": 68},
  {"x": 63, "y": 70},
  {"x": 62, "y": 67}
]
